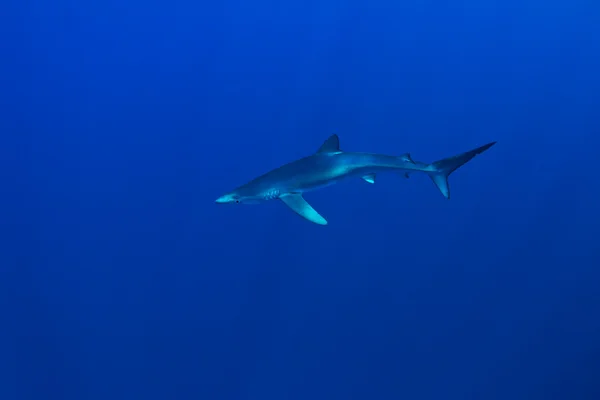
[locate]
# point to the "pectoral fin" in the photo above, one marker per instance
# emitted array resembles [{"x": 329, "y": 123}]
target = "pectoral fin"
[
  {"x": 297, "y": 203},
  {"x": 369, "y": 178}
]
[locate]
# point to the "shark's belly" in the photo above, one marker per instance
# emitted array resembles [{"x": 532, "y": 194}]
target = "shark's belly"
[
  {"x": 317, "y": 178},
  {"x": 305, "y": 175}
]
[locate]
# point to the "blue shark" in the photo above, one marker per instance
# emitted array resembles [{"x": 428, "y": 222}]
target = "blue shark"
[{"x": 329, "y": 165}]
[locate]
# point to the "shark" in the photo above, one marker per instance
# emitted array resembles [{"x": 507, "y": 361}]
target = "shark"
[{"x": 329, "y": 165}]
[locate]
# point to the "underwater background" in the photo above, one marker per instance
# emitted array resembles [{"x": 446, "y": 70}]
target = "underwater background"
[{"x": 123, "y": 121}]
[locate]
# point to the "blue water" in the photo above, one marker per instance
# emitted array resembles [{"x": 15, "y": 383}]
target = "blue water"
[{"x": 122, "y": 122}]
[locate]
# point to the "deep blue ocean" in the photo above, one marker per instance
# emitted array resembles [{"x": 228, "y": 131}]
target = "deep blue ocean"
[{"x": 123, "y": 121}]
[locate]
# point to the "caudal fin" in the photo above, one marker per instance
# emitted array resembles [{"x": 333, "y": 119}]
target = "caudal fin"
[{"x": 443, "y": 168}]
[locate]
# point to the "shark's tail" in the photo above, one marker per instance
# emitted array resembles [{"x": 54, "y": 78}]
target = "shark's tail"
[{"x": 443, "y": 168}]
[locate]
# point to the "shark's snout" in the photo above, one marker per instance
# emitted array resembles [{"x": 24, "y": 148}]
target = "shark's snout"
[
  {"x": 226, "y": 199},
  {"x": 222, "y": 200}
]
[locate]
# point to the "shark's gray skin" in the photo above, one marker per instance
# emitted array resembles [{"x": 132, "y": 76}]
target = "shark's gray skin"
[{"x": 328, "y": 166}]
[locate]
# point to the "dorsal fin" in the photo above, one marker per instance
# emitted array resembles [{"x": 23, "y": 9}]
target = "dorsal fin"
[
  {"x": 406, "y": 157},
  {"x": 331, "y": 145}
]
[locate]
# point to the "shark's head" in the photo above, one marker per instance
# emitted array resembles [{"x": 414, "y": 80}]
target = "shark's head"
[
  {"x": 229, "y": 198},
  {"x": 238, "y": 197}
]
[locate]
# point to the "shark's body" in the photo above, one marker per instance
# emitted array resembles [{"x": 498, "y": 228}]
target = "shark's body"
[{"x": 328, "y": 166}]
